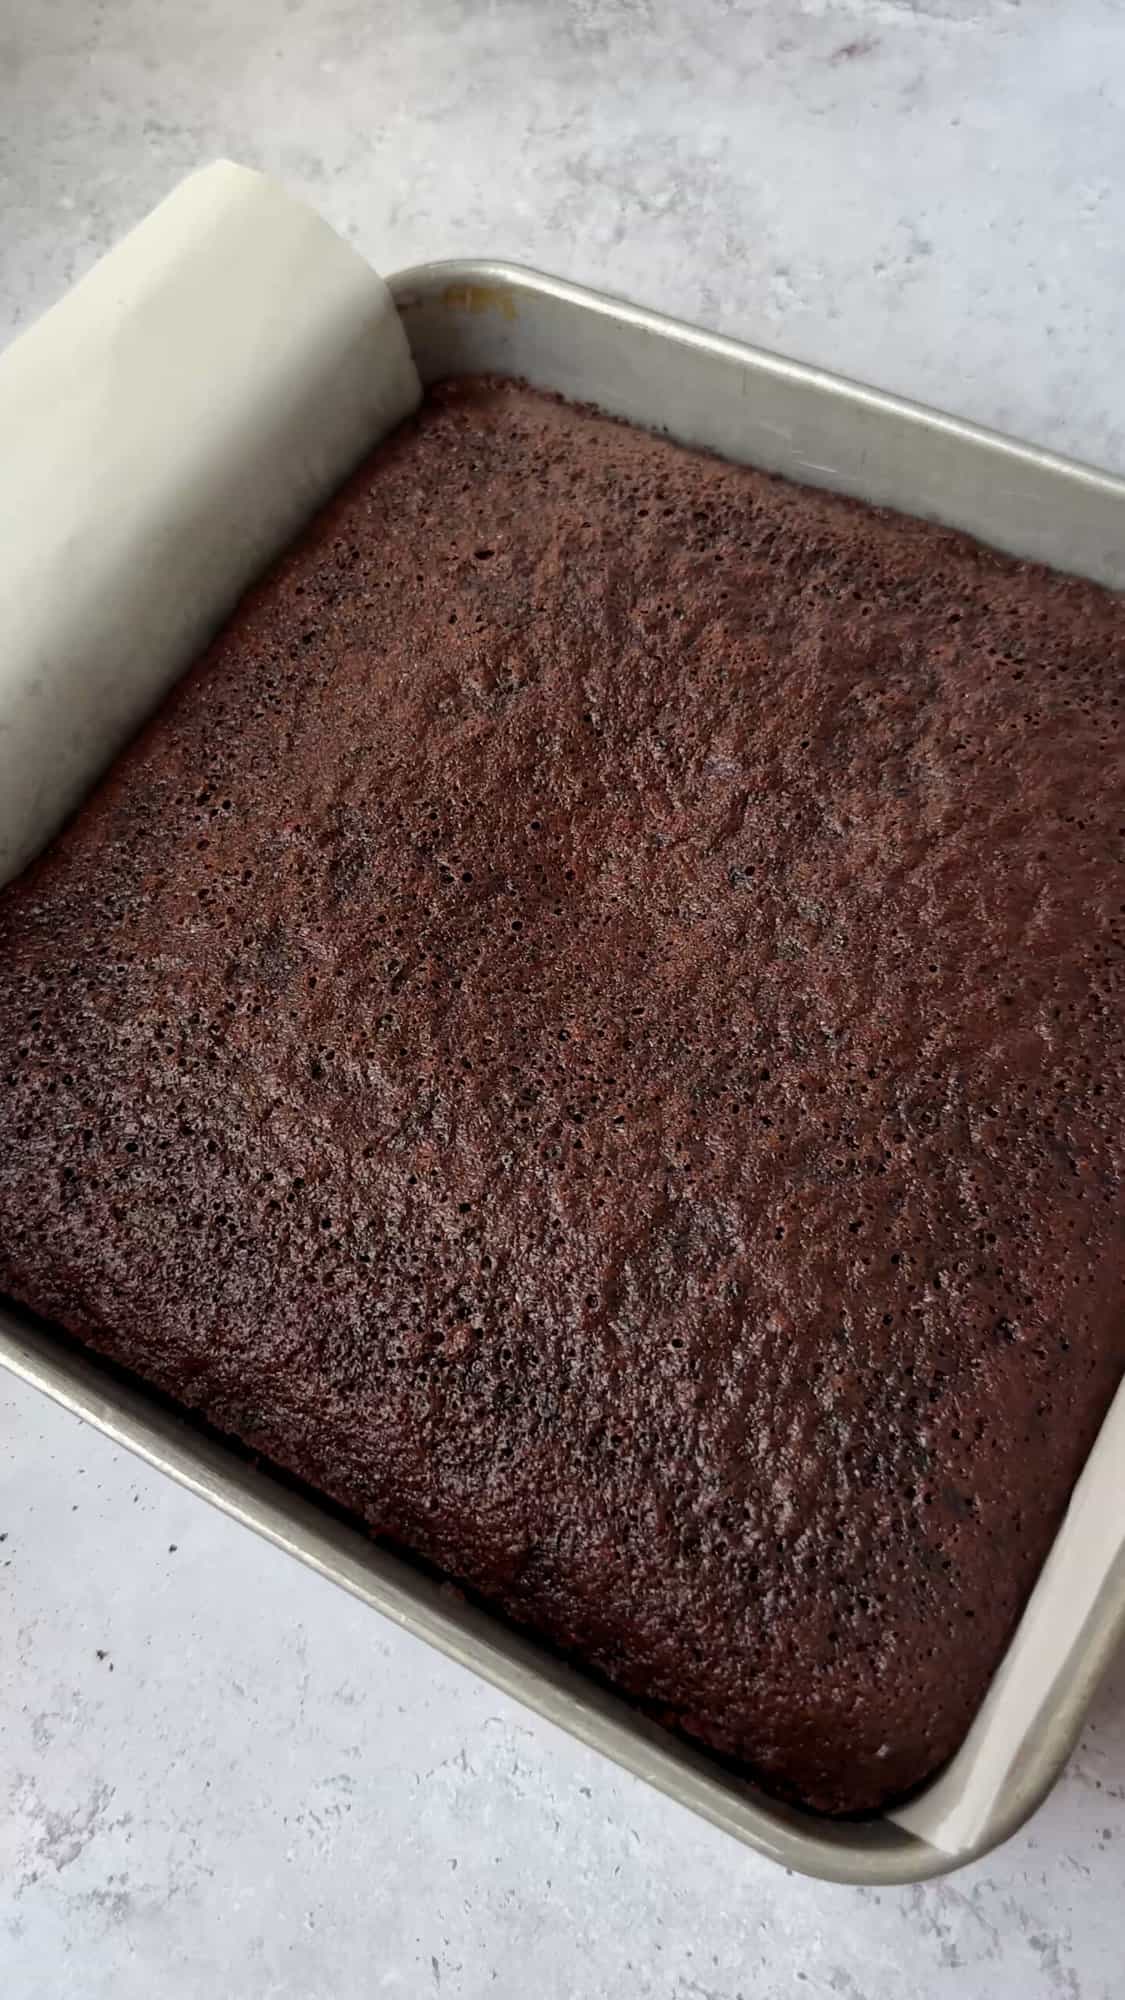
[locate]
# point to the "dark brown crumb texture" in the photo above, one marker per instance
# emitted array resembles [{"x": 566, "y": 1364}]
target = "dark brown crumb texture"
[{"x": 590, "y": 1029}]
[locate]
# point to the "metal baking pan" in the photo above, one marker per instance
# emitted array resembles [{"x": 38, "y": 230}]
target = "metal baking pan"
[{"x": 470, "y": 317}]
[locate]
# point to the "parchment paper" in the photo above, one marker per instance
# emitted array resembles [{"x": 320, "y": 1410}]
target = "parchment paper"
[{"x": 164, "y": 431}]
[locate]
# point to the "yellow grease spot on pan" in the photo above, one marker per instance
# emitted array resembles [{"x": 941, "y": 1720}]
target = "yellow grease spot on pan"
[{"x": 479, "y": 299}]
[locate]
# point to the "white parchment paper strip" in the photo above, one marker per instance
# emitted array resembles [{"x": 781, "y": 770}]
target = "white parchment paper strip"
[{"x": 164, "y": 431}]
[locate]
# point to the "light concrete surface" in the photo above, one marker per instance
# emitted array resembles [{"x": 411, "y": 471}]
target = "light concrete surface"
[{"x": 218, "y": 1775}]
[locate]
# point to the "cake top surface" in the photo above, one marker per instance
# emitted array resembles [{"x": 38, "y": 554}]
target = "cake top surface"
[{"x": 590, "y": 1028}]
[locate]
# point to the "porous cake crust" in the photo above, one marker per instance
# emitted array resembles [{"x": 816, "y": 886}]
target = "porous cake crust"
[{"x": 589, "y": 1028}]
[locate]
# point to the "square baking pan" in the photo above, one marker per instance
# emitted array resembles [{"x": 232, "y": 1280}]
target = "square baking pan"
[{"x": 700, "y": 389}]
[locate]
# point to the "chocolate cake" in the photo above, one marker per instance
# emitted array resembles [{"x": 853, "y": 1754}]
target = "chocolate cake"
[{"x": 589, "y": 1028}]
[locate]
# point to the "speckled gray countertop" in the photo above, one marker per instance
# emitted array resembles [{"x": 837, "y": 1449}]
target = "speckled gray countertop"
[{"x": 217, "y": 1774}]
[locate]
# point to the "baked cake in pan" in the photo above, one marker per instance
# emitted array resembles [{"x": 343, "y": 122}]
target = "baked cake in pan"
[{"x": 589, "y": 1028}]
